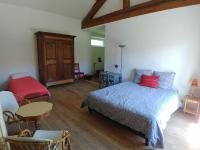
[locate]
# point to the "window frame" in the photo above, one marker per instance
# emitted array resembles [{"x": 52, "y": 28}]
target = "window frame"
[{"x": 100, "y": 39}]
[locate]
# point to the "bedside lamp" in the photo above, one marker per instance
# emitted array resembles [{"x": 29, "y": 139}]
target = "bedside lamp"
[{"x": 194, "y": 85}]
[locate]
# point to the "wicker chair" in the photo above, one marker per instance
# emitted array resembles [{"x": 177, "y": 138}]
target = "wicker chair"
[
  {"x": 9, "y": 106},
  {"x": 40, "y": 140}
]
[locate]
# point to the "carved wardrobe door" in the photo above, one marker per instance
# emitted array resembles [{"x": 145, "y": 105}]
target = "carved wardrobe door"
[
  {"x": 50, "y": 48},
  {"x": 68, "y": 59},
  {"x": 56, "y": 58}
]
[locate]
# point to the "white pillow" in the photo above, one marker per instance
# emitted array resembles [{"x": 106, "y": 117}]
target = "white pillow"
[
  {"x": 166, "y": 79},
  {"x": 19, "y": 75}
]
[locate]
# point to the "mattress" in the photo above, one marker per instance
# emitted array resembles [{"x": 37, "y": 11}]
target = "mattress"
[
  {"x": 22, "y": 87},
  {"x": 143, "y": 109}
]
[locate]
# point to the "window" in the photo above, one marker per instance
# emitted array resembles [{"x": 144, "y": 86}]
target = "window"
[{"x": 98, "y": 42}]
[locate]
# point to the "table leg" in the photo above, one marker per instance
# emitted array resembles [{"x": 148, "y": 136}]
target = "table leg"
[
  {"x": 37, "y": 125},
  {"x": 185, "y": 106},
  {"x": 198, "y": 110}
]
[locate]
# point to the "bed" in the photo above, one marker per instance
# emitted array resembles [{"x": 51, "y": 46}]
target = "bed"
[
  {"x": 27, "y": 88},
  {"x": 143, "y": 109}
]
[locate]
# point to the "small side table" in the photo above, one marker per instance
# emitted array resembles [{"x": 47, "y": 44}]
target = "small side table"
[
  {"x": 192, "y": 100},
  {"x": 35, "y": 111},
  {"x": 107, "y": 78}
]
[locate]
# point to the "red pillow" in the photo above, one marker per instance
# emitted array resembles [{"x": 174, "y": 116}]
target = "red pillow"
[{"x": 149, "y": 81}]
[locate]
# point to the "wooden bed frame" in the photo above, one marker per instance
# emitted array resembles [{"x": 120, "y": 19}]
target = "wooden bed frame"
[
  {"x": 36, "y": 97},
  {"x": 135, "y": 132}
]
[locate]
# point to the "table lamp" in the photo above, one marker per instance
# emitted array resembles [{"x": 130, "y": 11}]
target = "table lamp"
[{"x": 194, "y": 86}]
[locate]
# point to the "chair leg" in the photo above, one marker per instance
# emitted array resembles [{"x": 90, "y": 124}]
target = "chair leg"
[
  {"x": 185, "y": 106},
  {"x": 78, "y": 77},
  {"x": 197, "y": 112},
  {"x": 146, "y": 142},
  {"x": 68, "y": 144},
  {"x": 90, "y": 110}
]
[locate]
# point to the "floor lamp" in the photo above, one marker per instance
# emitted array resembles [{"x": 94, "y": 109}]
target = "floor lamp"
[{"x": 121, "y": 47}]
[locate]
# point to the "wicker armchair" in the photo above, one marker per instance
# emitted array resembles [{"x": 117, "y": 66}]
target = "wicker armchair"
[
  {"x": 26, "y": 140},
  {"x": 9, "y": 106},
  {"x": 40, "y": 140}
]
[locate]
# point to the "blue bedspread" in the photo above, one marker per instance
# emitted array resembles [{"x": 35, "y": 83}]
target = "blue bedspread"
[{"x": 143, "y": 109}]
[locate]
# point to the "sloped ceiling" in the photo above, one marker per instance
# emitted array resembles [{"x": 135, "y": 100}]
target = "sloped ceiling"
[{"x": 73, "y": 8}]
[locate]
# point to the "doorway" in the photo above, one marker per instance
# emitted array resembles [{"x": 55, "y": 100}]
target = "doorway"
[{"x": 97, "y": 49}]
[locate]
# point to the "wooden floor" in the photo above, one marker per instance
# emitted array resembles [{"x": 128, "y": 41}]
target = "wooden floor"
[{"x": 94, "y": 132}]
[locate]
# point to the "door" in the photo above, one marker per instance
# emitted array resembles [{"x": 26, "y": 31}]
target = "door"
[
  {"x": 68, "y": 59},
  {"x": 51, "y": 62}
]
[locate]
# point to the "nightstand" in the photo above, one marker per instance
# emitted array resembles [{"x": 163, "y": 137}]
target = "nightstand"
[
  {"x": 107, "y": 78},
  {"x": 192, "y": 102}
]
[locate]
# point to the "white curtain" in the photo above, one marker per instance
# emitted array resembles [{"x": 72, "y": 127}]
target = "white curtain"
[{"x": 3, "y": 130}]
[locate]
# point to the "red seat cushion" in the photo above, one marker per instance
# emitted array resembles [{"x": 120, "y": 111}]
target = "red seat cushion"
[{"x": 149, "y": 81}]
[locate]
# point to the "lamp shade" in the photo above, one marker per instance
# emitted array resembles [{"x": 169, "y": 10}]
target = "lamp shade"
[{"x": 194, "y": 83}]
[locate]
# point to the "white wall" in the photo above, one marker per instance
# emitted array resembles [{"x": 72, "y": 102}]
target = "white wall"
[
  {"x": 163, "y": 41},
  {"x": 17, "y": 41}
]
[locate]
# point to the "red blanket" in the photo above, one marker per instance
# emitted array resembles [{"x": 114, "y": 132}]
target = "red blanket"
[{"x": 24, "y": 86}]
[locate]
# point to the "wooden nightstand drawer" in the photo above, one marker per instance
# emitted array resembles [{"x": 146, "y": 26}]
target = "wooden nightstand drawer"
[{"x": 192, "y": 105}]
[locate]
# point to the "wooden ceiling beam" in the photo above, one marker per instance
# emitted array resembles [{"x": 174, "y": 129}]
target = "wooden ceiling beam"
[
  {"x": 126, "y": 4},
  {"x": 137, "y": 10},
  {"x": 95, "y": 8}
]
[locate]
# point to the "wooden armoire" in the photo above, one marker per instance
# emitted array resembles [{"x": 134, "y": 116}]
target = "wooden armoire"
[{"x": 55, "y": 58}]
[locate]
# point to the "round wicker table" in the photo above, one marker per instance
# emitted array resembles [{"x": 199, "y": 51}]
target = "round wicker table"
[{"x": 35, "y": 111}]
